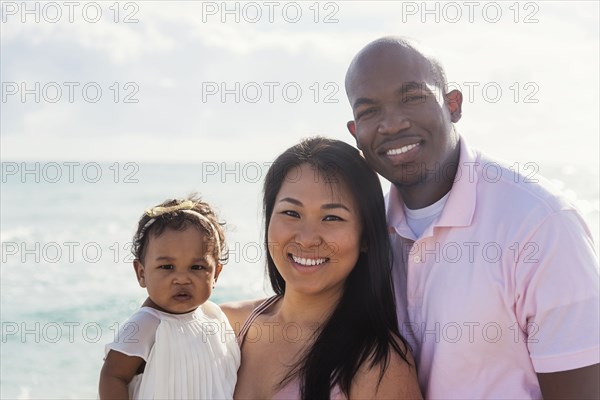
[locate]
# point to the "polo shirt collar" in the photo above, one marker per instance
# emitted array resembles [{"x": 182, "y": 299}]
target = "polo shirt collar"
[{"x": 460, "y": 206}]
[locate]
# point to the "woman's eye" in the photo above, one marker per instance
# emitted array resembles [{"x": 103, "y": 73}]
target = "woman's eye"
[
  {"x": 166, "y": 266},
  {"x": 291, "y": 213},
  {"x": 332, "y": 218}
]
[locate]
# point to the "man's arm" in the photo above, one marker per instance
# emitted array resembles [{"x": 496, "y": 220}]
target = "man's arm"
[
  {"x": 580, "y": 383},
  {"x": 559, "y": 295}
]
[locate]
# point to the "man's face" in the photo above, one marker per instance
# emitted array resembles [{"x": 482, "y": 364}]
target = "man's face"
[{"x": 402, "y": 123}]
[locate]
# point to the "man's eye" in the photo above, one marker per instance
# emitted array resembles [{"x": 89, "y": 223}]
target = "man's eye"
[
  {"x": 414, "y": 98},
  {"x": 166, "y": 266},
  {"x": 365, "y": 113}
]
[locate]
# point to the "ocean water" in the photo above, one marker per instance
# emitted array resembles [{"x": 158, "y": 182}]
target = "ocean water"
[{"x": 67, "y": 280}]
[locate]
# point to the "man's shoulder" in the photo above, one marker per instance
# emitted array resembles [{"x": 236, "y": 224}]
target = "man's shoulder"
[{"x": 517, "y": 186}]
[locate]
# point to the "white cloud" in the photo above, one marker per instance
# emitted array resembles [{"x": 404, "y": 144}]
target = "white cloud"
[{"x": 171, "y": 52}]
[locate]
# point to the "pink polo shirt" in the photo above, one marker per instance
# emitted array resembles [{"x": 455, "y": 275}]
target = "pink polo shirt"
[{"x": 502, "y": 286}]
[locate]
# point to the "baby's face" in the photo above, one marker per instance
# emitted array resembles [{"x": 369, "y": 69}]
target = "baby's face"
[{"x": 179, "y": 270}]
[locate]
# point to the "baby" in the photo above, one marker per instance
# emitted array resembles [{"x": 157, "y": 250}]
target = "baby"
[{"x": 178, "y": 345}]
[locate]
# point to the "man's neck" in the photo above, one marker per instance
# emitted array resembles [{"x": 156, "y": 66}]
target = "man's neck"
[{"x": 433, "y": 187}]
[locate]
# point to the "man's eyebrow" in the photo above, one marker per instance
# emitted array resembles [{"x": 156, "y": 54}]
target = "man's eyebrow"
[
  {"x": 360, "y": 101},
  {"x": 412, "y": 86},
  {"x": 406, "y": 87}
]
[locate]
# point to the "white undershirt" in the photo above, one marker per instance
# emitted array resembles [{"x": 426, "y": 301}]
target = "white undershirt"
[{"x": 418, "y": 220}]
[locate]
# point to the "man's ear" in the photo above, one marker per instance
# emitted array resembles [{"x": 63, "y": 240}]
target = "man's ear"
[
  {"x": 352, "y": 128},
  {"x": 139, "y": 272},
  {"x": 217, "y": 272},
  {"x": 454, "y": 102}
]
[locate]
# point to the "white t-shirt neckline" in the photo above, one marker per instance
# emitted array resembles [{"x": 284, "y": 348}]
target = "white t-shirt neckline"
[{"x": 420, "y": 219}]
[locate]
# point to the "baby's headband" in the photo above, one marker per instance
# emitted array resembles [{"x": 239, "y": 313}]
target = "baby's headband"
[{"x": 186, "y": 207}]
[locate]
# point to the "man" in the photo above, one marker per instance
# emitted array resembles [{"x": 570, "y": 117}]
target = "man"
[{"x": 496, "y": 277}]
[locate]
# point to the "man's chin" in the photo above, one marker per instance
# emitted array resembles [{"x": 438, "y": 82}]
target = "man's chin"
[
  {"x": 405, "y": 177},
  {"x": 406, "y": 184}
]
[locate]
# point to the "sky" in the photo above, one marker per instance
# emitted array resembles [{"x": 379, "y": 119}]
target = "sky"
[{"x": 191, "y": 82}]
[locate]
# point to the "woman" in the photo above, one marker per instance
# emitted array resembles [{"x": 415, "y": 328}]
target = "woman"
[{"x": 331, "y": 329}]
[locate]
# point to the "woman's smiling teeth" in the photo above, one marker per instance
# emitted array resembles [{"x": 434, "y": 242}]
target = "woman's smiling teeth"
[
  {"x": 404, "y": 149},
  {"x": 308, "y": 261}
]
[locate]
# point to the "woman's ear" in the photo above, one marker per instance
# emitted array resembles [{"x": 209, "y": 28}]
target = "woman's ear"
[{"x": 139, "y": 272}]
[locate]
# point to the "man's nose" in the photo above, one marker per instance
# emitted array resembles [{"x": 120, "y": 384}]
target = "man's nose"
[{"x": 392, "y": 121}]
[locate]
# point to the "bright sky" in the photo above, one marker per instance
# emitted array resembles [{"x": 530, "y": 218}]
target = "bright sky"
[{"x": 245, "y": 80}]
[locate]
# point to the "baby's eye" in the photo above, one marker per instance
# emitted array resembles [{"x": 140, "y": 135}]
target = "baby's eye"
[
  {"x": 166, "y": 266},
  {"x": 198, "y": 267}
]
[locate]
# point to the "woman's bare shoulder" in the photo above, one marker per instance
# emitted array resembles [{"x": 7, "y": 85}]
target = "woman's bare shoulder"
[
  {"x": 367, "y": 382},
  {"x": 237, "y": 312}
]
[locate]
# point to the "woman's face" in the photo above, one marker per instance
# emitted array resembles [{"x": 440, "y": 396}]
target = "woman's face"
[{"x": 315, "y": 232}]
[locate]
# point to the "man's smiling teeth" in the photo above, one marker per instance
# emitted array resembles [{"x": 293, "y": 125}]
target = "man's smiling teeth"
[
  {"x": 308, "y": 261},
  {"x": 394, "y": 152}
]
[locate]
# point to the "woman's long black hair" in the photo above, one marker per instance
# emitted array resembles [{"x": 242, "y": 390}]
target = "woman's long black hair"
[{"x": 363, "y": 326}]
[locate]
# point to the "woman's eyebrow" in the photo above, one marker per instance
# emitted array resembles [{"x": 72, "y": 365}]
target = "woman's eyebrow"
[
  {"x": 292, "y": 200},
  {"x": 330, "y": 206}
]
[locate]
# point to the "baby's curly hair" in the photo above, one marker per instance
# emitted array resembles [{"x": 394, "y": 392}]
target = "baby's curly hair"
[{"x": 180, "y": 220}]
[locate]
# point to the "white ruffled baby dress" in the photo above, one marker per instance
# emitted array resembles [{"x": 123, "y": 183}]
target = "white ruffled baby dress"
[{"x": 188, "y": 356}]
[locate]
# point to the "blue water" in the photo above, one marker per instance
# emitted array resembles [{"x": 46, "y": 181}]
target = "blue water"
[{"x": 64, "y": 299}]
